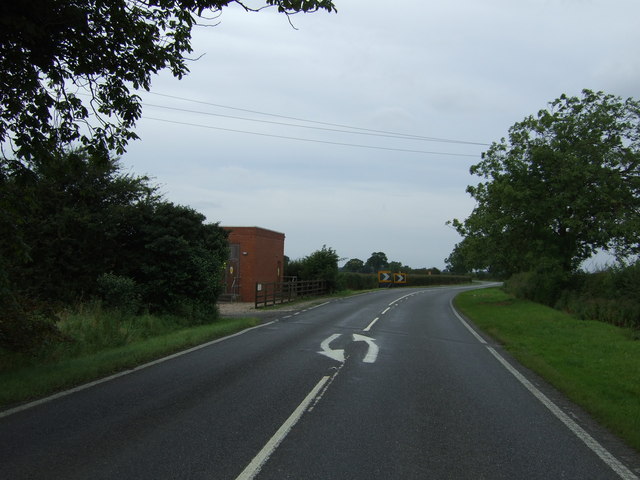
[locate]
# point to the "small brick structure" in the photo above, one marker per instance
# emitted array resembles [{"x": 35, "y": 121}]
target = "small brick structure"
[{"x": 256, "y": 256}]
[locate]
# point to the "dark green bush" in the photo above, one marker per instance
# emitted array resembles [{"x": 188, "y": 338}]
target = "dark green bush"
[
  {"x": 358, "y": 281},
  {"x": 26, "y": 327},
  {"x": 119, "y": 293},
  {"x": 545, "y": 285},
  {"x": 611, "y": 296},
  {"x": 416, "y": 280}
]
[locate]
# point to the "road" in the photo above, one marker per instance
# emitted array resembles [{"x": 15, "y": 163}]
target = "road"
[{"x": 384, "y": 385}]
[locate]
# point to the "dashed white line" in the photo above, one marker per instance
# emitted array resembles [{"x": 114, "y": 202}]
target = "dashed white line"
[{"x": 371, "y": 324}]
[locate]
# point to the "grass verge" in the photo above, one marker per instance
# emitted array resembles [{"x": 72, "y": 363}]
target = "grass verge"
[
  {"x": 38, "y": 380},
  {"x": 596, "y": 365}
]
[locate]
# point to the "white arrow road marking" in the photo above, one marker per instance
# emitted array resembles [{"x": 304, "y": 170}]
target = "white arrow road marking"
[
  {"x": 372, "y": 351},
  {"x": 337, "y": 355}
]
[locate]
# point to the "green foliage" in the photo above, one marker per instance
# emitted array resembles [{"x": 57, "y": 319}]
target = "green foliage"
[
  {"x": 611, "y": 296},
  {"x": 319, "y": 265},
  {"x": 376, "y": 262},
  {"x": 354, "y": 265},
  {"x": 565, "y": 184},
  {"x": 26, "y": 326},
  {"x": 79, "y": 228},
  {"x": 543, "y": 285},
  {"x": 358, "y": 281},
  {"x": 66, "y": 214},
  {"x": 118, "y": 293},
  {"x": 175, "y": 257},
  {"x": 416, "y": 280},
  {"x": 101, "y": 50},
  {"x": 322, "y": 265}
]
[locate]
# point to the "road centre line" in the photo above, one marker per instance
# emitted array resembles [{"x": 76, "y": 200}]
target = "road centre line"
[
  {"x": 576, "y": 429},
  {"x": 401, "y": 298},
  {"x": 263, "y": 455},
  {"x": 385, "y": 310},
  {"x": 371, "y": 324}
]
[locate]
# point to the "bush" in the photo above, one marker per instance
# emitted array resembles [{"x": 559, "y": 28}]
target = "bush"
[
  {"x": 545, "y": 285},
  {"x": 611, "y": 296},
  {"x": 357, "y": 281},
  {"x": 320, "y": 265},
  {"x": 414, "y": 280},
  {"x": 119, "y": 293},
  {"x": 24, "y": 326}
]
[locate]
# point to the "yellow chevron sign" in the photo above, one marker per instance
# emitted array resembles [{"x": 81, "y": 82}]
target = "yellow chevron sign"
[
  {"x": 384, "y": 276},
  {"x": 399, "y": 278}
]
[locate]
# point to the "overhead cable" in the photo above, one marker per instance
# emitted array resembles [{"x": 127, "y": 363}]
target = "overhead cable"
[
  {"x": 382, "y": 132},
  {"x": 325, "y": 129},
  {"x": 309, "y": 139}
]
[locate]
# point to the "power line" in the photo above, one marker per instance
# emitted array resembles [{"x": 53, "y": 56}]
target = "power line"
[
  {"x": 403, "y": 137},
  {"x": 309, "y": 139},
  {"x": 383, "y": 132}
]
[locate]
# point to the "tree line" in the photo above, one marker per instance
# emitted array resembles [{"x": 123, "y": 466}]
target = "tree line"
[{"x": 378, "y": 261}]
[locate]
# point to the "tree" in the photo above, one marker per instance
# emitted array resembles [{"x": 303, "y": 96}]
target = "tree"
[
  {"x": 397, "y": 267},
  {"x": 565, "y": 184},
  {"x": 176, "y": 258},
  {"x": 68, "y": 68},
  {"x": 62, "y": 220},
  {"x": 377, "y": 261},
  {"x": 77, "y": 217},
  {"x": 355, "y": 265},
  {"x": 321, "y": 265}
]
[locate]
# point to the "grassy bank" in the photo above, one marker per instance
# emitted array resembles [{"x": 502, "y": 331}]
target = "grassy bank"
[
  {"x": 595, "y": 364},
  {"x": 23, "y": 379}
]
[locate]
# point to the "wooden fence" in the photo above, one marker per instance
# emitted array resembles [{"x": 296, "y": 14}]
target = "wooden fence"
[{"x": 273, "y": 293}]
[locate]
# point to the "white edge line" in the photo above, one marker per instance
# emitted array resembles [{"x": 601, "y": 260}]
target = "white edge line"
[
  {"x": 576, "y": 429},
  {"x": 263, "y": 455},
  {"x": 320, "y": 305},
  {"x": 85, "y": 386},
  {"x": 462, "y": 320}
]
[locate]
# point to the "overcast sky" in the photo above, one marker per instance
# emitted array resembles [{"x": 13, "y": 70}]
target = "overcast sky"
[{"x": 463, "y": 71}]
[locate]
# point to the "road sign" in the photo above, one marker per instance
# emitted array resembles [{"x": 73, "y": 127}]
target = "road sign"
[
  {"x": 399, "y": 278},
  {"x": 384, "y": 276}
]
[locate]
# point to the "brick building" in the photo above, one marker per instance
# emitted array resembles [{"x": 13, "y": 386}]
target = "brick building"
[{"x": 256, "y": 256}]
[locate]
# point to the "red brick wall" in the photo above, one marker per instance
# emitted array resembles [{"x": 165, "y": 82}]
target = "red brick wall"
[{"x": 261, "y": 257}]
